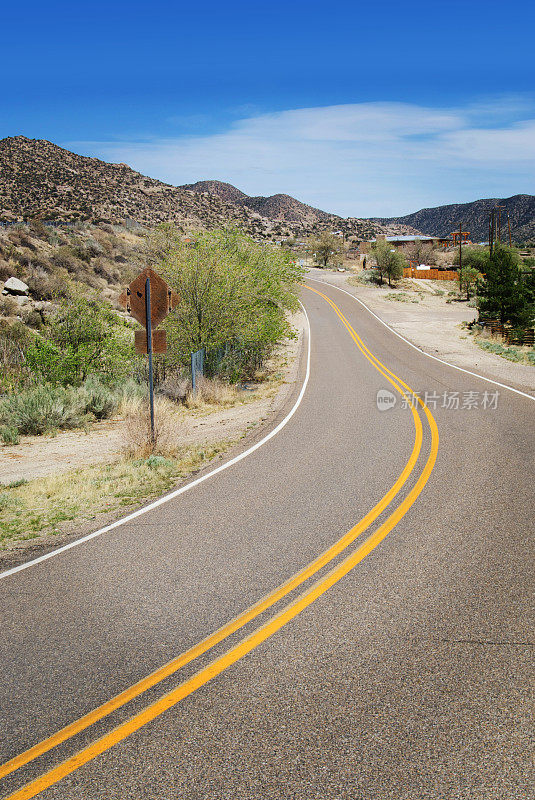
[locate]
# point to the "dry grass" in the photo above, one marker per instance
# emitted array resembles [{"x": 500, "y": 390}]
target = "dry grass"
[
  {"x": 48, "y": 504},
  {"x": 211, "y": 392},
  {"x": 138, "y": 441}
]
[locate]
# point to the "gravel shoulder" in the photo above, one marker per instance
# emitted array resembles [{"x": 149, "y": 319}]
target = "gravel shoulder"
[{"x": 435, "y": 327}]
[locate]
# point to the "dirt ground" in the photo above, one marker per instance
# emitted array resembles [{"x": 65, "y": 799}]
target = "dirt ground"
[
  {"x": 37, "y": 456},
  {"x": 434, "y": 325}
]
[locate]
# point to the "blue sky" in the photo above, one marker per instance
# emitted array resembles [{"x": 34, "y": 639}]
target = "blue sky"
[{"x": 361, "y": 109}]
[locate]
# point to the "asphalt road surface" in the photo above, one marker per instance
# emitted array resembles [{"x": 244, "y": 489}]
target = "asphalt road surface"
[{"x": 398, "y": 665}]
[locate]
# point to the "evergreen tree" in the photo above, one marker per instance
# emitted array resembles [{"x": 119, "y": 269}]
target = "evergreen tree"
[{"x": 502, "y": 293}]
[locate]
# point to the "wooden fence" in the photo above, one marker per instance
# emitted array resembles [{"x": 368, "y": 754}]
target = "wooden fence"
[
  {"x": 432, "y": 274},
  {"x": 511, "y": 335}
]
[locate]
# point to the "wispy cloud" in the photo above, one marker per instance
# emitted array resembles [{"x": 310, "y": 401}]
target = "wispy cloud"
[{"x": 365, "y": 159}]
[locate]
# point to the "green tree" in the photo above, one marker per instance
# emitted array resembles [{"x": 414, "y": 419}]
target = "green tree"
[
  {"x": 468, "y": 277},
  {"x": 83, "y": 336},
  {"x": 234, "y": 292},
  {"x": 475, "y": 257},
  {"x": 325, "y": 245},
  {"x": 390, "y": 262},
  {"x": 502, "y": 293}
]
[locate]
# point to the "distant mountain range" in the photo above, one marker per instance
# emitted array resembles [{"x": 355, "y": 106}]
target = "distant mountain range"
[
  {"x": 474, "y": 217},
  {"x": 276, "y": 207},
  {"x": 40, "y": 179}
]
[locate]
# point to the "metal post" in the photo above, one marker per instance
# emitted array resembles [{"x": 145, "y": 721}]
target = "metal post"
[
  {"x": 149, "y": 352},
  {"x": 460, "y": 255},
  {"x": 193, "y": 372}
]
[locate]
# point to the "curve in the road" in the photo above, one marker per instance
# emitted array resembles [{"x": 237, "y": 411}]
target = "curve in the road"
[
  {"x": 249, "y": 614},
  {"x": 267, "y": 629},
  {"x": 423, "y": 352},
  {"x": 172, "y": 495}
]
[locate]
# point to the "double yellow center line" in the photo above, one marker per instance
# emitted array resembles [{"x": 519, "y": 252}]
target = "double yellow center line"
[{"x": 265, "y": 631}]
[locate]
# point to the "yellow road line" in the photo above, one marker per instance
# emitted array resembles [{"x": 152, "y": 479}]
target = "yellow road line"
[
  {"x": 369, "y": 355},
  {"x": 264, "y": 632},
  {"x": 235, "y": 624}
]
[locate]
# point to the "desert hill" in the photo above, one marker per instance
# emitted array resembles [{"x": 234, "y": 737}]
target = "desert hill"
[
  {"x": 442, "y": 220},
  {"x": 277, "y": 207},
  {"x": 39, "y": 180},
  {"x": 291, "y": 215},
  {"x": 226, "y": 191}
]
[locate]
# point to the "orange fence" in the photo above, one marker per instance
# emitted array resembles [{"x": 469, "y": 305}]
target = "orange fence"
[{"x": 433, "y": 274}]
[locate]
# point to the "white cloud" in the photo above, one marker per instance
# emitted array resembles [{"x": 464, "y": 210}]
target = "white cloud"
[{"x": 367, "y": 159}]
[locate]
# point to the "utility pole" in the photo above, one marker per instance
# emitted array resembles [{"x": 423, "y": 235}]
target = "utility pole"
[
  {"x": 492, "y": 225},
  {"x": 460, "y": 254},
  {"x": 509, "y": 226}
]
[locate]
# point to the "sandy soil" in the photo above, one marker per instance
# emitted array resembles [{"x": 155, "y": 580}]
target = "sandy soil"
[
  {"x": 37, "y": 456},
  {"x": 435, "y": 326}
]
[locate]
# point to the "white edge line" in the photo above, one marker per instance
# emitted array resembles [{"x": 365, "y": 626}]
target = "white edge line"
[
  {"x": 419, "y": 349},
  {"x": 182, "y": 489}
]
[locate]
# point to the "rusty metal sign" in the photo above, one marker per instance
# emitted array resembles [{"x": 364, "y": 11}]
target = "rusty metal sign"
[
  {"x": 162, "y": 298},
  {"x": 149, "y": 300},
  {"x": 159, "y": 343}
]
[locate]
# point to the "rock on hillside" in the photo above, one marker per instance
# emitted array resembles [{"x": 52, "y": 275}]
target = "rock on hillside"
[{"x": 442, "y": 220}]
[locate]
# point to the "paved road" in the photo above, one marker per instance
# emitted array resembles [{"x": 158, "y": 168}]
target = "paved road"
[{"x": 399, "y": 669}]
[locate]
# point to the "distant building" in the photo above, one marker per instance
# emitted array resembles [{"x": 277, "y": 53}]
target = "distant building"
[{"x": 402, "y": 242}]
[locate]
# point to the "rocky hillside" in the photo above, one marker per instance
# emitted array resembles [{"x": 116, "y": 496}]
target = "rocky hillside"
[
  {"x": 226, "y": 191},
  {"x": 290, "y": 216},
  {"x": 38, "y": 179},
  {"x": 474, "y": 217},
  {"x": 277, "y": 207}
]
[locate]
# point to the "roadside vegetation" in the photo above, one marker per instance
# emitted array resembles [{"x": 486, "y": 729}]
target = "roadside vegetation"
[
  {"x": 520, "y": 355},
  {"x": 47, "y": 505},
  {"x": 76, "y": 364},
  {"x": 235, "y": 298},
  {"x": 327, "y": 249}
]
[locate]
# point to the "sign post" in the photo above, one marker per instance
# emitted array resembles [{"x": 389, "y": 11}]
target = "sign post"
[
  {"x": 149, "y": 300},
  {"x": 149, "y": 351}
]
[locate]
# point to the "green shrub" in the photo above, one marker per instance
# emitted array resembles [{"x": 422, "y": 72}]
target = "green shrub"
[
  {"x": 367, "y": 276},
  {"x": 99, "y": 400},
  {"x": 42, "y": 409},
  {"x": 510, "y": 353},
  {"x": 83, "y": 337},
  {"x": 9, "y": 434},
  {"x": 234, "y": 293}
]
